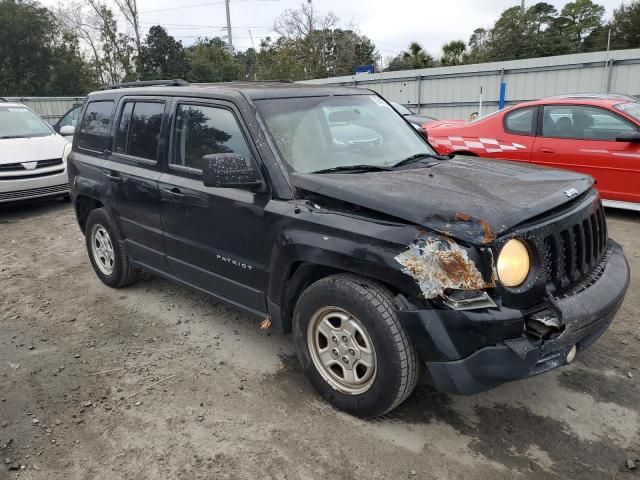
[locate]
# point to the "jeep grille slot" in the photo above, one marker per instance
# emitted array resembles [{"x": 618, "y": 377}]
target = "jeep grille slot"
[{"x": 572, "y": 253}]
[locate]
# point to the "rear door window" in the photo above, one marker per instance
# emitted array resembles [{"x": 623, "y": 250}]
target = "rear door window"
[
  {"x": 521, "y": 121},
  {"x": 138, "y": 133},
  {"x": 96, "y": 126}
]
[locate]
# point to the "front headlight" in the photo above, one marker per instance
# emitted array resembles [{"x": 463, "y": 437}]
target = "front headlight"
[
  {"x": 65, "y": 152},
  {"x": 513, "y": 263}
]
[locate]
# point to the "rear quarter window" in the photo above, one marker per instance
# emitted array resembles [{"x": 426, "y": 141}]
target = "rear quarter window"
[
  {"x": 96, "y": 125},
  {"x": 521, "y": 121}
]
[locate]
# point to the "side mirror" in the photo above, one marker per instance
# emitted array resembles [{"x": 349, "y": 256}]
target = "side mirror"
[
  {"x": 67, "y": 131},
  {"x": 228, "y": 170},
  {"x": 628, "y": 136}
]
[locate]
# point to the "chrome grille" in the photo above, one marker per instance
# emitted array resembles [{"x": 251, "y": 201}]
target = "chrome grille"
[
  {"x": 34, "y": 192},
  {"x": 18, "y": 167}
]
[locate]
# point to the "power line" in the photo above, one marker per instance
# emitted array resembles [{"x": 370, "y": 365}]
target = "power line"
[
  {"x": 218, "y": 2},
  {"x": 174, "y": 26},
  {"x": 183, "y": 7}
]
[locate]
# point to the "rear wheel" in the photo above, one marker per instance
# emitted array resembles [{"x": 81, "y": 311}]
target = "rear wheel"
[
  {"x": 352, "y": 347},
  {"x": 108, "y": 259}
]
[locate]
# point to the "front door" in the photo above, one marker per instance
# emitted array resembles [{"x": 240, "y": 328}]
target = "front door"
[
  {"x": 214, "y": 237},
  {"x": 582, "y": 138},
  {"x": 132, "y": 170}
]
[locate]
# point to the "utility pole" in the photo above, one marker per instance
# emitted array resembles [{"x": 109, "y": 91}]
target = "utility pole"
[
  {"x": 229, "y": 37},
  {"x": 522, "y": 7}
]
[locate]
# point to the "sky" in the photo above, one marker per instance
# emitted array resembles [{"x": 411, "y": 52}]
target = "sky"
[{"x": 391, "y": 24}]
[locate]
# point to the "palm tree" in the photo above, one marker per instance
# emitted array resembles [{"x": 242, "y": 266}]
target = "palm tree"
[{"x": 417, "y": 57}]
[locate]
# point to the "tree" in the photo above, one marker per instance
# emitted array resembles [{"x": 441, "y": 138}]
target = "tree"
[
  {"x": 37, "y": 57},
  {"x": 625, "y": 26},
  {"x": 248, "y": 60},
  {"x": 117, "y": 51},
  {"x": 129, "y": 10},
  {"x": 577, "y": 21},
  {"x": 346, "y": 49},
  {"x": 210, "y": 61},
  {"x": 319, "y": 45},
  {"x": 508, "y": 37},
  {"x": 479, "y": 46},
  {"x": 277, "y": 60},
  {"x": 417, "y": 57},
  {"x": 161, "y": 56},
  {"x": 453, "y": 53}
]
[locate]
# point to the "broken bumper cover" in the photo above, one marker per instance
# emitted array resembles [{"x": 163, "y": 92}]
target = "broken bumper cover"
[{"x": 467, "y": 352}]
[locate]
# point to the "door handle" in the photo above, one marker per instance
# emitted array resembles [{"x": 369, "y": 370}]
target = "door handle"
[
  {"x": 546, "y": 150},
  {"x": 174, "y": 192},
  {"x": 114, "y": 178}
]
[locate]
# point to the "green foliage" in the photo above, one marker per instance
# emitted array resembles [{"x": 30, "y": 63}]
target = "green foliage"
[
  {"x": 625, "y": 26},
  {"x": 36, "y": 57},
  {"x": 277, "y": 60},
  {"x": 79, "y": 47},
  {"x": 210, "y": 61},
  {"x": 161, "y": 56},
  {"x": 413, "y": 58},
  {"x": 453, "y": 53}
]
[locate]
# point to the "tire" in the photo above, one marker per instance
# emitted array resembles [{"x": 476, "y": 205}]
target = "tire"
[
  {"x": 107, "y": 256},
  {"x": 348, "y": 302}
]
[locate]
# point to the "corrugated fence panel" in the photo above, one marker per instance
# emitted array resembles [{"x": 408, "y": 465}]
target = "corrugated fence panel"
[
  {"x": 49, "y": 108},
  {"x": 453, "y": 92}
]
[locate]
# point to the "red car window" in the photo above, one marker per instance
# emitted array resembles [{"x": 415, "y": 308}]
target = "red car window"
[
  {"x": 582, "y": 123},
  {"x": 521, "y": 121}
]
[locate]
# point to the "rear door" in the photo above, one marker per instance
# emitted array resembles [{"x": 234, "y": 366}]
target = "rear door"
[
  {"x": 214, "y": 237},
  {"x": 582, "y": 138},
  {"x": 132, "y": 169}
]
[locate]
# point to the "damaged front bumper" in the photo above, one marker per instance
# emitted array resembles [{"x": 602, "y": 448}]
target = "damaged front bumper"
[{"x": 467, "y": 352}]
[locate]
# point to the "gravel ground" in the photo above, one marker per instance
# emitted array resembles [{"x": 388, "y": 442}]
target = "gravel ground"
[{"x": 230, "y": 401}]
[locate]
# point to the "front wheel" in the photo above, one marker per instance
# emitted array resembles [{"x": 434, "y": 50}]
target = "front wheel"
[{"x": 352, "y": 347}]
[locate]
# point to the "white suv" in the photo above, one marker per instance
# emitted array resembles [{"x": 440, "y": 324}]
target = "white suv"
[{"x": 33, "y": 157}]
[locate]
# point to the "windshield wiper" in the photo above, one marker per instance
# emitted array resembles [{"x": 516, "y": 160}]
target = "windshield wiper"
[
  {"x": 354, "y": 168},
  {"x": 4, "y": 137},
  {"x": 418, "y": 157}
]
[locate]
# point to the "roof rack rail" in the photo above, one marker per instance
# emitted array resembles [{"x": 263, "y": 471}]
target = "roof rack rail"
[{"x": 148, "y": 83}]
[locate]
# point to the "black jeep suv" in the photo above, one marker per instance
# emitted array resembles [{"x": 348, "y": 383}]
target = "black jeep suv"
[{"x": 325, "y": 212}]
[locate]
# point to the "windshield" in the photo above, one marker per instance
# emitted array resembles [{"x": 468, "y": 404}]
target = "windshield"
[
  {"x": 20, "y": 122},
  {"x": 631, "y": 109},
  {"x": 318, "y": 133},
  {"x": 402, "y": 110}
]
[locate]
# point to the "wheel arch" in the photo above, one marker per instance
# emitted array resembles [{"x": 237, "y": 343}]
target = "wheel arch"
[
  {"x": 84, "y": 205},
  {"x": 289, "y": 279}
]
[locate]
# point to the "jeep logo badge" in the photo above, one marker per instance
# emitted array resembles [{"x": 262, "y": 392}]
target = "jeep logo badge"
[
  {"x": 572, "y": 192},
  {"x": 29, "y": 165}
]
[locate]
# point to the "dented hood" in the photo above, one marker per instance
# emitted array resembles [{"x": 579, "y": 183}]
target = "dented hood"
[{"x": 473, "y": 200}]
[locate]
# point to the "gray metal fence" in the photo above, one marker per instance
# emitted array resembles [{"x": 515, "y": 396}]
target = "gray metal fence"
[
  {"x": 453, "y": 92},
  {"x": 49, "y": 108}
]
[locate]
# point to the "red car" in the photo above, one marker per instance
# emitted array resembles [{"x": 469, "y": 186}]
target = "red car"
[{"x": 594, "y": 134}]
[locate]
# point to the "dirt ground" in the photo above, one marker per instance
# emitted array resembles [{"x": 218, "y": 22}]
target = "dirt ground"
[{"x": 232, "y": 403}]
